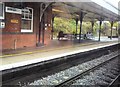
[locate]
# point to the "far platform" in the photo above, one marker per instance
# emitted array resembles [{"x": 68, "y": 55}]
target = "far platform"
[{"x": 56, "y": 49}]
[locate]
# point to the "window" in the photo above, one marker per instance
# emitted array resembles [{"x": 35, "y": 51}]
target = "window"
[
  {"x": 26, "y": 24},
  {"x": 27, "y": 20},
  {"x": 1, "y": 10}
]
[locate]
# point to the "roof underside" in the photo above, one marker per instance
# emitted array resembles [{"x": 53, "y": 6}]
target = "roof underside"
[{"x": 93, "y": 11}]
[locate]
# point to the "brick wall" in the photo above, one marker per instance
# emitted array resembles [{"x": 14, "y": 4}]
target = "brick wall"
[
  {"x": 15, "y": 41},
  {"x": 11, "y": 36},
  {"x": 12, "y": 23}
]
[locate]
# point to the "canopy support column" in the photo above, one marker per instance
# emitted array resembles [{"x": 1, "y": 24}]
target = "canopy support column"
[
  {"x": 118, "y": 28},
  {"x": 39, "y": 36},
  {"x": 100, "y": 29},
  {"x": 101, "y": 19},
  {"x": 92, "y": 23},
  {"x": 52, "y": 27},
  {"x": 43, "y": 30},
  {"x": 76, "y": 27},
  {"x": 43, "y": 7},
  {"x": 82, "y": 14},
  {"x": 111, "y": 29}
]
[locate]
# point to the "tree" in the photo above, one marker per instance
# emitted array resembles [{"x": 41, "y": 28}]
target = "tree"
[
  {"x": 65, "y": 25},
  {"x": 69, "y": 26}
]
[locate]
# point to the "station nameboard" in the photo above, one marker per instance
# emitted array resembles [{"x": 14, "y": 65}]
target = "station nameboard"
[{"x": 13, "y": 10}]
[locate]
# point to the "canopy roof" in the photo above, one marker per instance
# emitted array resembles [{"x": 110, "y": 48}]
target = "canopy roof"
[
  {"x": 72, "y": 8},
  {"x": 92, "y": 11}
]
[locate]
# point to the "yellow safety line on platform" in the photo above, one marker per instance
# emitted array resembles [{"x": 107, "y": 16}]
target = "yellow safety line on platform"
[{"x": 25, "y": 53}]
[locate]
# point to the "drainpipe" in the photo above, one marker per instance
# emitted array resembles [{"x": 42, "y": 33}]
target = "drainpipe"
[{"x": 15, "y": 44}]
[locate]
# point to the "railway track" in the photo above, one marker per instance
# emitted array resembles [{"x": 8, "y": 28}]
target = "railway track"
[
  {"x": 69, "y": 76},
  {"x": 76, "y": 79},
  {"x": 104, "y": 76}
]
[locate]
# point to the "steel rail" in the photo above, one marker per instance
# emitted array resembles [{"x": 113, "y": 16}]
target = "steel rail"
[{"x": 113, "y": 81}]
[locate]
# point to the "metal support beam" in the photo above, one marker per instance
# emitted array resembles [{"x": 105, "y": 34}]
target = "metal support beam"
[
  {"x": 100, "y": 29},
  {"x": 82, "y": 14},
  {"x": 92, "y": 23},
  {"x": 111, "y": 29},
  {"x": 53, "y": 16},
  {"x": 100, "y": 19},
  {"x": 118, "y": 28},
  {"x": 43, "y": 8},
  {"x": 43, "y": 29},
  {"x": 39, "y": 34},
  {"x": 76, "y": 27},
  {"x": 116, "y": 31}
]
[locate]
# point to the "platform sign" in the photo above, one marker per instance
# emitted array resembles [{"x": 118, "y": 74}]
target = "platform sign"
[{"x": 13, "y": 10}]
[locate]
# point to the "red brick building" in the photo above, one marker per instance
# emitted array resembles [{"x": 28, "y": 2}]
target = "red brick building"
[{"x": 21, "y": 24}]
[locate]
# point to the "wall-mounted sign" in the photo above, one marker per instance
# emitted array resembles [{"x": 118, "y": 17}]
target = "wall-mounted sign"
[
  {"x": 13, "y": 10},
  {"x": 14, "y": 21}
]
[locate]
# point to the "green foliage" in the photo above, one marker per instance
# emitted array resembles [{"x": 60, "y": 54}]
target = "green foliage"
[
  {"x": 86, "y": 27},
  {"x": 69, "y": 26},
  {"x": 66, "y": 25}
]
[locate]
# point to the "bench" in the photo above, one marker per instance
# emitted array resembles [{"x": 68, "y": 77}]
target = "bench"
[{"x": 62, "y": 36}]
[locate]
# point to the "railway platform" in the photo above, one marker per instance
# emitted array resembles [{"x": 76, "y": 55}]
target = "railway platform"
[{"x": 57, "y": 49}]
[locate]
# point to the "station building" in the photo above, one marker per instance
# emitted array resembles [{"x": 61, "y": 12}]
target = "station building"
[
  {"x": 30, "y": 24},
  {"x": 20, "y": 25}
]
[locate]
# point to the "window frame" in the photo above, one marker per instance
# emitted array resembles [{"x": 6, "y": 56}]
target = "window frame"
[
  {"x": 26, "y": 30},
  {"x": 2, "y": 17}
]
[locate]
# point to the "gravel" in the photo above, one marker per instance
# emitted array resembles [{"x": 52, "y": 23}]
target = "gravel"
[
  {"x": 103, "y": 76},
  {"x": 61, "y": 76}
]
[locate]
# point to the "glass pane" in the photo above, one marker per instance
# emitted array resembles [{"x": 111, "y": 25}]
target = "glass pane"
[
  {"x": 26, "y": 24},
  {"x": 26, "y": 16},
  {"x": 30, "y": 16},
  {"x": 1, "y": 10},
  {"x": 22, "y": 15}
]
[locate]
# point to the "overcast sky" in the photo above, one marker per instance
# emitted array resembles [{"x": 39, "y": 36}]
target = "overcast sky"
[
  {"x": 114, "y": 2},
  {"x": 107, "y": 6}
]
